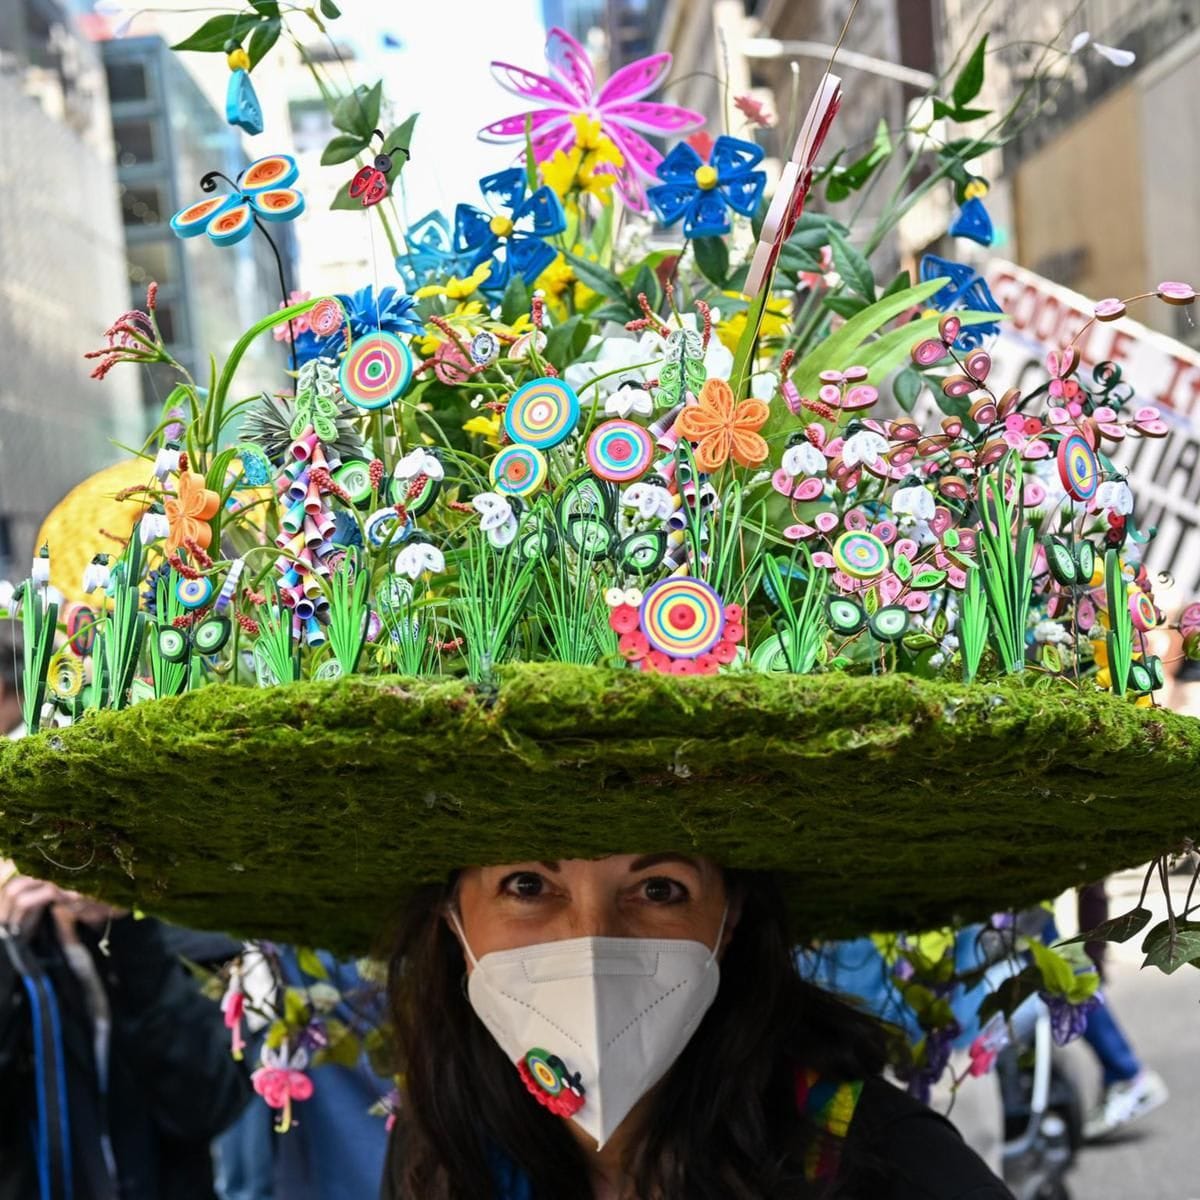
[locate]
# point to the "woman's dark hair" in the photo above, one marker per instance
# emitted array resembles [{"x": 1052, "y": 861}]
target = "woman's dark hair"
[{"x": 724, "y": 1122}]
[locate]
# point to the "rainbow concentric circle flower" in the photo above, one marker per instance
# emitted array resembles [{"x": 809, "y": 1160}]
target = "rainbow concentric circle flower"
[{"x": 620, "y": 107}]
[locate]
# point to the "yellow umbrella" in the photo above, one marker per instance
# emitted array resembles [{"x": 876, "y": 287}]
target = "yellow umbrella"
[{"x": 73, "y": 528}]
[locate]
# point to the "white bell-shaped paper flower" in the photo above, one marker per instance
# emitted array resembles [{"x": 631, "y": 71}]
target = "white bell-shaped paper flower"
[
  {"x": 96, "y": 574},
  {"x": 651, "y": 501},
  {"x": 415, "y": 558},
  {"x": 152, "y": 527},
  {"x": 166, "y": 462},
  {"x": 40, "y": 571},
  {"x": 917, "y": 501},
  {"x": 803, "y": 459},
  {"x": 629, "y": 398},
  {"x": 419, "y": 461},
  {"x": 1114, "y": 495},
  {"x": 864, "y": 447}
]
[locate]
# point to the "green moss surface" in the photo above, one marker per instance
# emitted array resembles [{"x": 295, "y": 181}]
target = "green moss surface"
[{"x": 303, "y": 813}]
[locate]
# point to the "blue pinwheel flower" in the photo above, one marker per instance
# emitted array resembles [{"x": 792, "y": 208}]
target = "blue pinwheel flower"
[
  {"x": 429, "y": 255},
  {"x": 703, "y": 193},
  {"x": 392, "y": 312},
  {"x": 511, "y": 238}
]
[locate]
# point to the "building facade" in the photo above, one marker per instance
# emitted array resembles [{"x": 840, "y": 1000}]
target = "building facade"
[
  {"x": 62, "y": 271},
  {"x": 167, "y": 136}
]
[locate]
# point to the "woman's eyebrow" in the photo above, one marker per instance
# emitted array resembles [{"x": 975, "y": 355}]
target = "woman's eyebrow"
[{"x": 653, "y": 860}]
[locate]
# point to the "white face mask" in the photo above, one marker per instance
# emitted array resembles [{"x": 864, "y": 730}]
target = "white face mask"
[{"x": 593, "y": 1023}]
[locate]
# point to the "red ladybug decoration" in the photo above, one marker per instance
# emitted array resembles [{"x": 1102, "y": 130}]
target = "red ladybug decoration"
[{"x": 371, "y": 183}]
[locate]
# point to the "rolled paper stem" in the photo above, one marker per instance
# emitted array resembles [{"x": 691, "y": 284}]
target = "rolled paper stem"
[
  {"x": 325, "y": 522},
  {"x": 295, "y": 468},
  {"x": 317, "y": 458},
  {"x": 312, "y": 586},
  {"x": 322, "y": 604},
  {"x": 312, "y": 501},
  {"x": 305, "y": 608},
  {"x": 333, "y": 459},
  {"x": 304, "y": 445},
  {"x": 321, "y": 567},
  {"x": 291, "y": 578},
  {"x": 314, "y": 632},
  {"x": 288, "y": 597},
  {"x": 282, "y": 483},
  {"x": 666, "y": 468},
  {"x": 297, "y": 627},
  {"x": 298, "y": 488},
  {"x": 668, "y": 441}
]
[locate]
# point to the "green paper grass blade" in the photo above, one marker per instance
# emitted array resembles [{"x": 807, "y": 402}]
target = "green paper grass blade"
[
  {"x": 1120, "y": 622},
  {"x": 493, "y": 590},
  {"x": 805, "y": 625},
  {"x": 170, "y": 678},
  {"x": 275, "y": 643},
  {"x": 1007, "y": 558},
  {"x": 348, "y": 613},
  {"x": 38, "y": 621},
  {"x": 973, "y": 624},
  {"x": 126, "y": 626},
  {"x": 572, "y": 608}
]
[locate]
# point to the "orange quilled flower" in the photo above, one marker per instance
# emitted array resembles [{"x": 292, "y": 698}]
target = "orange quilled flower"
[
  {"x": 189, "y": 512},
  {"x": 723, "y": 429}
]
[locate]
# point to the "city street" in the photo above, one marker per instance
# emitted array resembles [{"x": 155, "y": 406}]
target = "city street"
[{"x": 1156, "y": 1159}]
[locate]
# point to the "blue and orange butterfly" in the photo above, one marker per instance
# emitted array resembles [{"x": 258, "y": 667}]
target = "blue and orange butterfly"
[{"x": 262, "y": 190}]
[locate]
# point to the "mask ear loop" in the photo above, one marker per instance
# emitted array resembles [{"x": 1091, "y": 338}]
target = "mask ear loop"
[
  {"x": 712, "y": 954},
  {"x": 456, "y": 925}
]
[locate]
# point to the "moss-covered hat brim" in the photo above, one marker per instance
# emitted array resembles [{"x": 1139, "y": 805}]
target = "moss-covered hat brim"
[{"x": 304, "y": 813}]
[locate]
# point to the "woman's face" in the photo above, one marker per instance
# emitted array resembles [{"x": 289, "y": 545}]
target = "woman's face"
[{"x": 625, "y": 895}]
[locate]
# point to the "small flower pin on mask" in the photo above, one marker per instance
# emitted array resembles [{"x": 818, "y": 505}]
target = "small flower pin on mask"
[{"x": 370, "y": 185}]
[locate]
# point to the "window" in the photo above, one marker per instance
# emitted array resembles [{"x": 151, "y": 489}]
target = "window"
[
  {"x": 126, "y": 81},
  {"x": 312, "y": 126},
  {"x": 164, "y": 314},
  {"x": 142, "y": 205},
  {"x": 135, "y": 141},
  {"x": 151, "y": 262}
]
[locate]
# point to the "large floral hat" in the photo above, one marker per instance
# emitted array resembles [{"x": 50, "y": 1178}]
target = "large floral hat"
[{"x": 596, "y": 543}]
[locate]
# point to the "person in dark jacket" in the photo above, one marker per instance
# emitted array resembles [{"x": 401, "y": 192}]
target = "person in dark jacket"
[{"x": 115, "y": 1072}]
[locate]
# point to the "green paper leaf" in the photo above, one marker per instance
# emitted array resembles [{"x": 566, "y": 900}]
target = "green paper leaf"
[
  {"x": 1118, "y": 929},
  {"x": 598, "y": 278},
  {"x": 329, "y": 10},
  {"x": 1011, "y": 994},
  {"x": 310, "y": 963},
  {"x": 399, "y": 138},
  {"x": 845, "y": 306},
  {"x": 970, "y": 78},
  {"x": 1052, "y": 659},
  {"x": 1170, "y": 953},
  {"x": 712, "y": 257},
  {"x": 216, "y": 31},
  {"x": 268, "y": 8},
  {"x": 1057, "y": 974},
  {"x": 343, "y": 201},
  {"x": 852, "y": 266},
  {"x": 646, "y": 281},
  {"x": 342, "y": 148},
  {"x": 906, "y": 388},
  {"x": 901, "y": 283},
  {"x": 359, "y": 111},
  {"x": 516, "y": 300},
  {"x": 262, "y": 39}
]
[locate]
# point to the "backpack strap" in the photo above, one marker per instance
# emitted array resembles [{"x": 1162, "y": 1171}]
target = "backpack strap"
[
  {"x": 51, "y": 1131},
  {"x": 830, "y": 1107}
]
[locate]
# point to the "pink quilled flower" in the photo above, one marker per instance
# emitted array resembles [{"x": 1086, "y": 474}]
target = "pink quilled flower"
[
  {"x": 280, "y": 1080},
  {"x": 570, "y": 90}
]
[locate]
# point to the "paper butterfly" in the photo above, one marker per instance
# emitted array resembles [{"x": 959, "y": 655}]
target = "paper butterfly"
[{"x": 262, "y": 190}]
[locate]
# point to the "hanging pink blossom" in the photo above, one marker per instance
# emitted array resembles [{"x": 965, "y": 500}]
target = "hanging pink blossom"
[{"x": 570, "y": 90}]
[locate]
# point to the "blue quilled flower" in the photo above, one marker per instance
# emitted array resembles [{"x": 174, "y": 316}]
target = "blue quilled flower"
[
  {"x": 704, "y": 193},
  {"x": 429, "y": 254},
  {"x": 511, "y": 237}
]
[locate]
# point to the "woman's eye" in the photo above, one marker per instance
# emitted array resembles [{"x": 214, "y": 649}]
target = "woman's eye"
[
  {"x": 524, "y": 885},
  {"x": 661, "y": 890}
]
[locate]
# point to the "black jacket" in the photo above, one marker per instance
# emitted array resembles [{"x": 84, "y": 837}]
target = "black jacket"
[{"x": 171, "y": 1086}]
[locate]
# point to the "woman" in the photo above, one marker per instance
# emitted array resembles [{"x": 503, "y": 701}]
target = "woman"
[{"x": 654, "y": 1003}]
